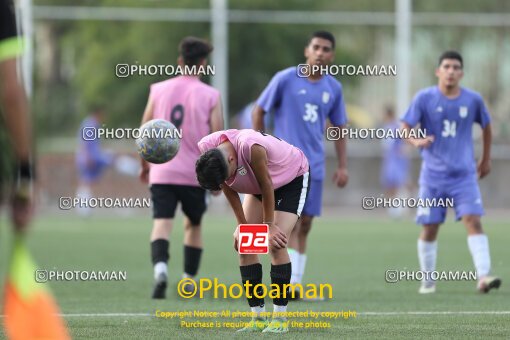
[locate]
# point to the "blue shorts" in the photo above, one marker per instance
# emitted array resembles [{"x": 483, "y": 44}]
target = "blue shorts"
[
  {"x": 393, "y": 179},
  {"x": 394, "y": 175},
  {"x": 465, "y": 194},
  {"x": 313, "y": 203},
  {"x": 93, "y": 172}
]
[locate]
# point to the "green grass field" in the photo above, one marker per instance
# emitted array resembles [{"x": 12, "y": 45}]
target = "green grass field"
[{"x": 350, "y": 254}]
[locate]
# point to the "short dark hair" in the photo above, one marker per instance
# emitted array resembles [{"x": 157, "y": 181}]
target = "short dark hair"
[
  {"x": 323, "y": 35},
  {"x": 211, "y": 169},
  {"x": 451, "y": 55},
  {"x": 193, "y": 50}
]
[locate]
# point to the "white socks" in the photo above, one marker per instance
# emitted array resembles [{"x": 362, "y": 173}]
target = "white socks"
[
  {"x": 279, "y": 309},
  {"x": 298, "y": 263},
  {"x": 479, "y": 247},
  {"x": 294, "y": 263},
  {"x": 160, "y": 267},
  {"x": 302, "y": 264},
  {"x": 258, "y": 310},
  {"x": 427, "y": 254},
  {"x": 276, "y": 309},
  {"x": 187, "y": 276},
  {"x": 85, "y": 193}
]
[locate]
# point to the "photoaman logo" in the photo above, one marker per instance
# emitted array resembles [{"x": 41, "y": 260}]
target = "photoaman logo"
[{"x": 253, "y": 238}]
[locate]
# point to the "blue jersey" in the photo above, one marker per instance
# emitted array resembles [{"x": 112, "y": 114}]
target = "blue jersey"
[
  {"x": 88, "y": 149},
  {"x": 394, "y": 155},
  {"x": 392, "y": 147},
  {"x": 450, "y": 121},
  {"x": 301, "y": 108},
  {"x": 89, "y": 154},
  {"x": 395, "y": 163}
]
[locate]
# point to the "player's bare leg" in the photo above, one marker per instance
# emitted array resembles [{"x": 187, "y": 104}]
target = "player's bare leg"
[
  {"x": 429, "y": 232},
  {"x": 160, "y": 254},
  {"x": 478, "y": 244},
  {"x": 427, "y": 255},
  {"x": 251, "y": 269},
  {"x": 252, "y": 208},
  {"x": 304, "y": 230},
  {"x": 281, "y": 272},
  {"x": 298, "y": 246},
  {"x": 293, "y": 239},
  {"x": 192, "y": 234},
  {"x": 294, "y": 254},
  {"x": 292, "y": 247},
  {"x": 286, "y": 222},
  {"x": 161, "y": 228}
]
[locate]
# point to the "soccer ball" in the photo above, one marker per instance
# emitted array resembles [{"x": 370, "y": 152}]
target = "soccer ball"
[{"x": 158, "y": 141}]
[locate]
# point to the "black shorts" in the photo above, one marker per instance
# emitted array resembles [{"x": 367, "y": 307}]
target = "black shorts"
[
  {"x": 166, "y": 196},
  {"x": 292, "y": 196}
]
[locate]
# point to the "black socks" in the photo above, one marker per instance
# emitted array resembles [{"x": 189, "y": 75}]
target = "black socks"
[
  {"x": 253, "y": 273},
  {"x": 160, "y": 251},
  {"x": 192, "y": 257},
  {"x": 280, "y": 275}
]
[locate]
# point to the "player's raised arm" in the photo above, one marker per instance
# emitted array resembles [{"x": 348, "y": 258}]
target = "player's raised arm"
[
  {"x": 484, "y": 165},
  {"x": 257, "y": 117}
]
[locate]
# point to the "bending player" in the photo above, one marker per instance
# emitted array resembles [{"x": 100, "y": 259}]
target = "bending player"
[
  {"x": 447, "y": 112},
  {"x": 195, "y": 108},
  {"x": 275, "y": 177},
  {"x": 302, "y": 103}
]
